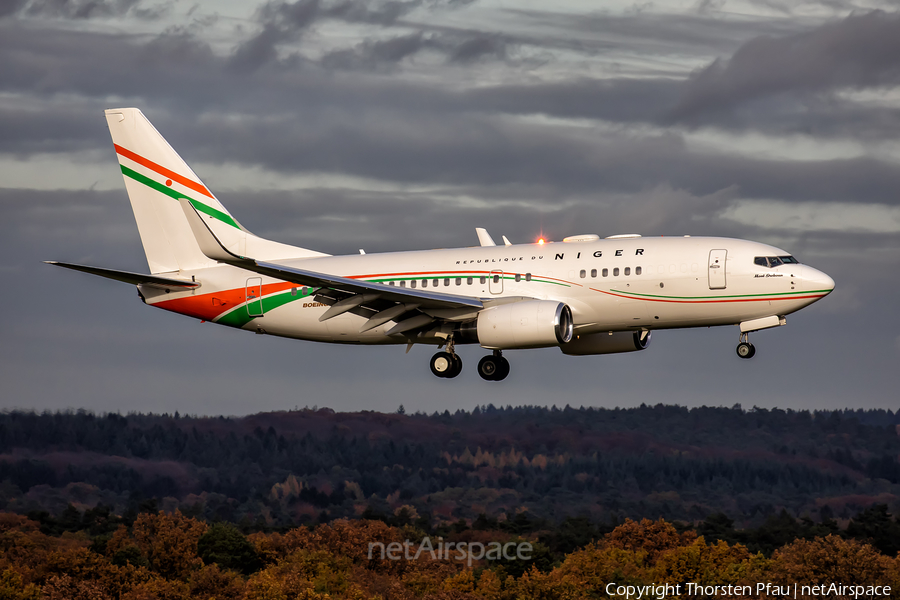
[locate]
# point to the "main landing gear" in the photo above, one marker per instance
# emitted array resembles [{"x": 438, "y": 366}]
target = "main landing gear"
[
  {"x": 493, "y": 367},
  {"x": 447, "y": 364},
  {"x": 745, "y": 349}
]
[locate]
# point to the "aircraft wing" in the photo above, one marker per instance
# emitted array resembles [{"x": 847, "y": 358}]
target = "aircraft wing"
[
  {"x": 355, "y": 286},
  {"x": 366, "y": 292},
  {"x": 129, "y": 277}
]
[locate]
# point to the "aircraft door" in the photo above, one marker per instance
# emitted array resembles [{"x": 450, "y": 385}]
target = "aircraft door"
[
  {"x": 495, "y": 283},
  {"x": 717, "y": 269},
  {"x": 254, "y": 297}
]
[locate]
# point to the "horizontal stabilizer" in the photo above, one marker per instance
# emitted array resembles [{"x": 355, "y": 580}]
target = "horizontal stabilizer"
[{"x": 129, "y": 277}]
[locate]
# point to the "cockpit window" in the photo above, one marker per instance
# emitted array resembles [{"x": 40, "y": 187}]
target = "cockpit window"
[{"x": 775, "y": 261}]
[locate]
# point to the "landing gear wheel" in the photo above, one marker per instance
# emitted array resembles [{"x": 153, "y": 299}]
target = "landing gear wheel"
[
  {"x": 442, "y": 364},
  {"x": 503, "y": 371},
  {"x": 488, "y": 367},
  {"x": 746, "y": 350},
  {"x": 456, "y": 369},
  {"x": 493, "y": 367}
]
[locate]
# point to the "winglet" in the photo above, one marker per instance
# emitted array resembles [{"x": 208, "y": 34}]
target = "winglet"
[
  {"x": 484, "y": 238},
  {"x": 506, "y": 242}
]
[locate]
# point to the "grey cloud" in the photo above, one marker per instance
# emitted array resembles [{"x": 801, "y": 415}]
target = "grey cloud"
[
  {"x": 859, "y": 51},
  {"x": 259, "y": 49},
  {"x": 11, "y": 7},
  {"x": 78, "y": 9},
  {"x": 377, "y": 13},
  {"x": 373, "y": 54},
  {"x": 285, "y": 21},
  {"x": 681, "y": 34},
  {"x": 479, "y": 47}
]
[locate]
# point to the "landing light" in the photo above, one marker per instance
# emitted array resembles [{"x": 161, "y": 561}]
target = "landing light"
[{"x": 541, "y": 242}]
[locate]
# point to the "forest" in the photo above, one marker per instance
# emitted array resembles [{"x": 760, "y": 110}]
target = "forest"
[
  {"x": 284, "y": 469},
  {"x": 272, "y": 499}
]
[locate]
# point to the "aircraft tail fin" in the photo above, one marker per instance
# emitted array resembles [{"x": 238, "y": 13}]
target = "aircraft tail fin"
[{"x": 156, "y": 178}]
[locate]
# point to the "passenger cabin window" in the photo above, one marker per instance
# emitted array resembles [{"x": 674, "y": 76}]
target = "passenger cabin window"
[
  {"x": 390, "y": 283},
  {"x": 628, "y": 270},
  {"x": 482, "y": 279},
  {"x": 412, "y": 283},
  {"x": 468, "y": 281},
  {"x": 606, "y": 272},
  {"x": 435, "y": 282},
  {"x": 496, "y": 279},
  {"x": 402, "y": 284},
  {"x": 616, "y": 272},
  {"x": 583, "y": 274},
  {"x": 637, "y": 270},
  {"x": 527, "y": 277},
  {"x": 459, "y": 281},
  {"x": 424, "y": 283},
  {"x": 593, "y": 272},
  {"x": 518, "y": 277},
  {"x": 446, "y": 281}
]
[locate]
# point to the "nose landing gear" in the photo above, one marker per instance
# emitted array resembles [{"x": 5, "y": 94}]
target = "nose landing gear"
[
  {"x": 745, "y": 349},
  {"x": 493, "y": 367}
]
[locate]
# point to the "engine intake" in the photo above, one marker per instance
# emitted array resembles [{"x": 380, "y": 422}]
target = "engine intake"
[
  {"x": 526, "y": 324},
  {"x": 607, "y": 343}
]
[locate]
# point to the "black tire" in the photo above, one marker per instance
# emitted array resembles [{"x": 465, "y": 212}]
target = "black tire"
[
  {"x": 456, "y": 369},
  {"x": 503, "y": 370},
  {"x": 745, "y": 350},
  {"x": 442, "y": 364},
  {"x": 488, "y": 367}
]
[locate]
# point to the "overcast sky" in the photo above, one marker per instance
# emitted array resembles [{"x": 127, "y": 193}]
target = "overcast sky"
[{"x": 399, "y": 125}]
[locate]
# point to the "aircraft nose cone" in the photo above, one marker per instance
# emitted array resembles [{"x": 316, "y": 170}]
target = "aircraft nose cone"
[{"x": 816, "y": 281}]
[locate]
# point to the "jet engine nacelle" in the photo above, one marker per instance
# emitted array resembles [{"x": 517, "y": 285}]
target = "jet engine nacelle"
[
  {"x": 607, "y": 343},
  {"x": 526, "y": 324}
]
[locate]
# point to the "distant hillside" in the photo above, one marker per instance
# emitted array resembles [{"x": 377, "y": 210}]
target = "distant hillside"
[{"x": 282, "y": 469}]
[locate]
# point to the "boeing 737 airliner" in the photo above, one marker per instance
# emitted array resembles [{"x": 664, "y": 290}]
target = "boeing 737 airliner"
[{"x": 585, "y": 295}]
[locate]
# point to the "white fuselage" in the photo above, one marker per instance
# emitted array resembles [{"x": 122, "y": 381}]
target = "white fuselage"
[{"x": 621, "y": 284}]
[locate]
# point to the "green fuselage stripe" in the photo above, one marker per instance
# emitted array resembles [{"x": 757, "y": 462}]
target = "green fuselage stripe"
[
  {"x": 239, "y": 315},
  {"x": 164, "y": 189}
]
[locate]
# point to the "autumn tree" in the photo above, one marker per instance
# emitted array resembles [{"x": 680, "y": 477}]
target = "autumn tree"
[
  {"x": 224, "y": 545},
  {"x": 653, "y": 537},
  {"x": 169, "y": 541},
  {"x": 832, "y": 559}
]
